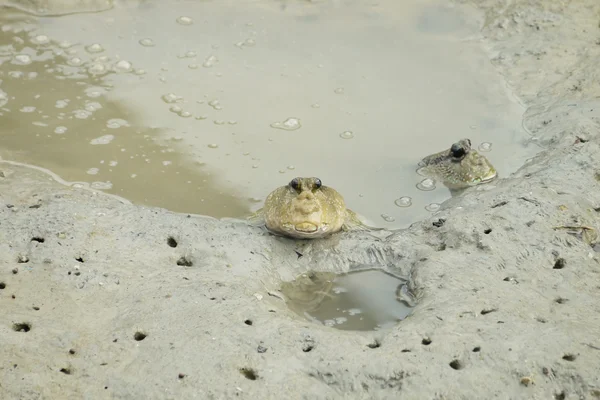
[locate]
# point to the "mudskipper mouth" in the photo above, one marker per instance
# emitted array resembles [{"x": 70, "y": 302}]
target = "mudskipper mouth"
[{"x": 306, "y": 227}]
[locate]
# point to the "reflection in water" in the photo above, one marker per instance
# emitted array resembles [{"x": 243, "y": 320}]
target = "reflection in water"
[
  {"x": 350, "y": 91},
  {"x": 361, "y": 300}
]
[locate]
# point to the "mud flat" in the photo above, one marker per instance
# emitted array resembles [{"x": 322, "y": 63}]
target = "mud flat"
[{"x": 103, "y": 299}]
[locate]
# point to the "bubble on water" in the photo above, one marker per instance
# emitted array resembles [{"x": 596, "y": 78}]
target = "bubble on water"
[
  {"x": 188, "y": 54},
  {"x": 116, "y": 123},
  {"x": 347, "y": 135},
  {"x": 185, "y": 21},
  {"x": 94, "y": 48},
  {"x": 339, "y": 90},
  {"x": 3, "y": 98},
  {"x": 291, "y": 167},
  {"x": 175, "y": 109},
  {"x": 81, "y": 114},
  {"x": 97, "y": 68},
  {"x": 101, "y": 185},
  {"x": 133, "y": 175},
  {"x": 219, "y": 122},
  {"x": 93, "y": 106},
  {"x": 246, "y": 43},
  {"x": 92, "y": 171},
  {"x": 485, "y": 146},
  {"x": 140, "y": 71},
  {"x": 339, "y": 289},
  {"x": 210, "y": 61},
  {"x": 404, "y": 201},
  {"x": 185, "y": 114},
  {"x": 106, "y": 139},
  {"x": 65, "y": 44},
  {"x": 426, "y": 184},
  {"x": 388, "y": 218},
  {"x": 215, "y": 104},
  {"x": 32, "y": 75},
  {"x": 15, "y": 74},
  {"x": 201, "y": 117},
  {"x": 315, "y": 105},
  {"x": 21, "y": 59},
  {"x": 165, "y": 163},
  {"x": 80, "y": 185},
  {"x": 254, "y": 166},
  {"x": 170, "y": 98},
  {"x": 60, "y": 130},
  {"x": 40, "y": 39},
  {"x": 123, "y": 66},
  {"x": 93, "y": 91},
  {"x": 354, "y": 311},
  {"x": 193, "y": 66},
  {"x": 432, "y": 207},
  {"x": 232, "y": 122},
  {"x": 62, "y": 103},
  {"x": 27, "y": 109},
  {"x": 113, "y": 163},
  {"x": 213, "y": 146},
  {"x": 147, "y": 42},
  {"x": 290, "y": 124},
  {"x": 75, "y": 61}
]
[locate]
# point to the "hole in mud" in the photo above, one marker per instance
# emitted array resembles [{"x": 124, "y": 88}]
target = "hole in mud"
[
  {"x": 560, "y": 263},
  {"x": 487, "y": 231},
  {"x": 249, "y": 373},
  {"x": 476, "y": 349},
  {"x": 248, "y": 322},
  {"x": 66, "y": 371},
  {"x": 79, "y": 259},
  {"x": 561, "y": 300},
  {"x": 363, "y": 300},
  {"x": 22, "y": 327},
  {"x": 456, "y": 364},
  {"x": 2, "y": 285},
  {"x": 560, "y": 396},
  {"x": 426, "y": 341},
  {"x": 488, "y": 310},
  {"x": 72, "y": 351},
  {"x": 184, "y": 262},
  {"x": 172, "y": 242},
  {"x": 139, "y": 336},
  {"x": 375, "y": 345},
  {"x": 569, "y": 357},
  {"x": 307, "y": 347}
]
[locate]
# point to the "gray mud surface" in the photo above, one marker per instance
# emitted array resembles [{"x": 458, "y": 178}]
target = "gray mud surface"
[{"x": 508, "y": 307}]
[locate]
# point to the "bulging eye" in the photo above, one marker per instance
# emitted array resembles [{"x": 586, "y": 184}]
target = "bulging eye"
[
  {"x": 295, "y": 183},
  {"x": 469, "y": 142},
  {"x": 457, "y": 151},
  {"x": 318, "y": 183}
]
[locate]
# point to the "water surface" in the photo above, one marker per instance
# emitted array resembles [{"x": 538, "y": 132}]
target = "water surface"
[{"x": 205, "y": 107}]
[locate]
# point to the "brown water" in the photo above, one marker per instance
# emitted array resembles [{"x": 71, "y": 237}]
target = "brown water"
[
  {"x": 205, "y": 107},
  {"x": 362, "y": 300}
]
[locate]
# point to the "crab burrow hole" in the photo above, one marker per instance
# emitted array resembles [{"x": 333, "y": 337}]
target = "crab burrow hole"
[{"x": 363, "y": 300}]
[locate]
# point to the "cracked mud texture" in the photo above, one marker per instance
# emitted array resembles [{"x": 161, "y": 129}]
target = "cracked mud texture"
[{"x": 111, "y": 300}]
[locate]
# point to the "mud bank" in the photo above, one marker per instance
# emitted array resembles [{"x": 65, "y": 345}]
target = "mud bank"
[{"x": 103, "y": 299}]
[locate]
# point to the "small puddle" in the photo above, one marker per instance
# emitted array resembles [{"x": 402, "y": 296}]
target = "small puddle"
[{"x": 359, "y": 301}]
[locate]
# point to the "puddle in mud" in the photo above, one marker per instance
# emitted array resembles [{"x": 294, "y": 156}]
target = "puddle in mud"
[
  {"x": 361, "y": 300},
  {"x": 353, "y": 93}
]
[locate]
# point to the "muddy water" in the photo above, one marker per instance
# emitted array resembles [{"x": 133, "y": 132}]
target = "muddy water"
[
  {"x": 362, "y": 300},
  {"x": 205, "y": 107}
]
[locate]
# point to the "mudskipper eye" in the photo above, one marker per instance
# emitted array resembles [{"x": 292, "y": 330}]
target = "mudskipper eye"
[
  {"x": 295, "y": 184},
  {"x": 318, "y": 183},
  {"x": 457, "y": 151},
  {"x": 469, "y": 141}
]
